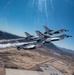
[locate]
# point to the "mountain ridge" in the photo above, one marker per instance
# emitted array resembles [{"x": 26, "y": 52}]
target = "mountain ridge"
[{"x": 7, "y": 35}]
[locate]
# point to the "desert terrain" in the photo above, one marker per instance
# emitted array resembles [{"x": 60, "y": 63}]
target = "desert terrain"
[{"x": 32, "y": 59}]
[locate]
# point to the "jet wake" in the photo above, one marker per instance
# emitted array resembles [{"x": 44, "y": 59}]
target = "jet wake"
[{"x": 10, "y": 45}]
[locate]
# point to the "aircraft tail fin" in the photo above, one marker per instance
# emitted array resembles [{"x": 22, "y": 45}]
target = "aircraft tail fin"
[
  {"x": 41, "y": 35},
  {"x": 47, "y": 29},
  {"x": 27, "y": 34}
]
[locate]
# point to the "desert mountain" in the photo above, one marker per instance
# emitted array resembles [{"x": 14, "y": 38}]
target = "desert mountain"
[{"x": 6, "y": 35}]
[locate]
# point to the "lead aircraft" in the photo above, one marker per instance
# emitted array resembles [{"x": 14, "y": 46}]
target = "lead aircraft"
[{"x": 51, "y": 32}]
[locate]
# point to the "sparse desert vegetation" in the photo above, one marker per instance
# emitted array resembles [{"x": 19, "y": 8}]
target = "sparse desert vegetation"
[{"x": 31, "y": 59}]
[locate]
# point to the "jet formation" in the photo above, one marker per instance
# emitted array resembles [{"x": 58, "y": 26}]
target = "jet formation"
[{"x": 41, "y": 38}]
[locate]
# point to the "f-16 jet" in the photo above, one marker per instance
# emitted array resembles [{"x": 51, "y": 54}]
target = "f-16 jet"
[
  {"x": 51, "y": 32},
  {"x": 56, "y": 38},
  {"x": 29, "y": 46}
]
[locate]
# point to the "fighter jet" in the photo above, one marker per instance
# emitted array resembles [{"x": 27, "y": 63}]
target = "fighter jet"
[
  {"x": 31, "y": 37},
  {"x": 29, "y": 45},
  {"x": 57, "y": 38},
  {"x": 26, "y": 46},
  {"x": 51, "y": 32}
]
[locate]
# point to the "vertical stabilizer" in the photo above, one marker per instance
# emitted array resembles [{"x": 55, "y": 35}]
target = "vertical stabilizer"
[
  {"x": 39, "y": 34},
  {"x": 47, "y": 29},
  {"x": 27, "y": 34}
]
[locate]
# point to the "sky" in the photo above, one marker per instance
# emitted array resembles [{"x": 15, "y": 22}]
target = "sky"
[{"x": 19, "y": 16}]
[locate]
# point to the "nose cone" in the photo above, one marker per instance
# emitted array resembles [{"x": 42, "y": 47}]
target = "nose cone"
[
  {"x": 69, "y": 36},
  {"x": 67, "y": 30}
]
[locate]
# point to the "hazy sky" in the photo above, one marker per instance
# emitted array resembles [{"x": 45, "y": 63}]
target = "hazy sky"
[{"x": 18, "y": 16}]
